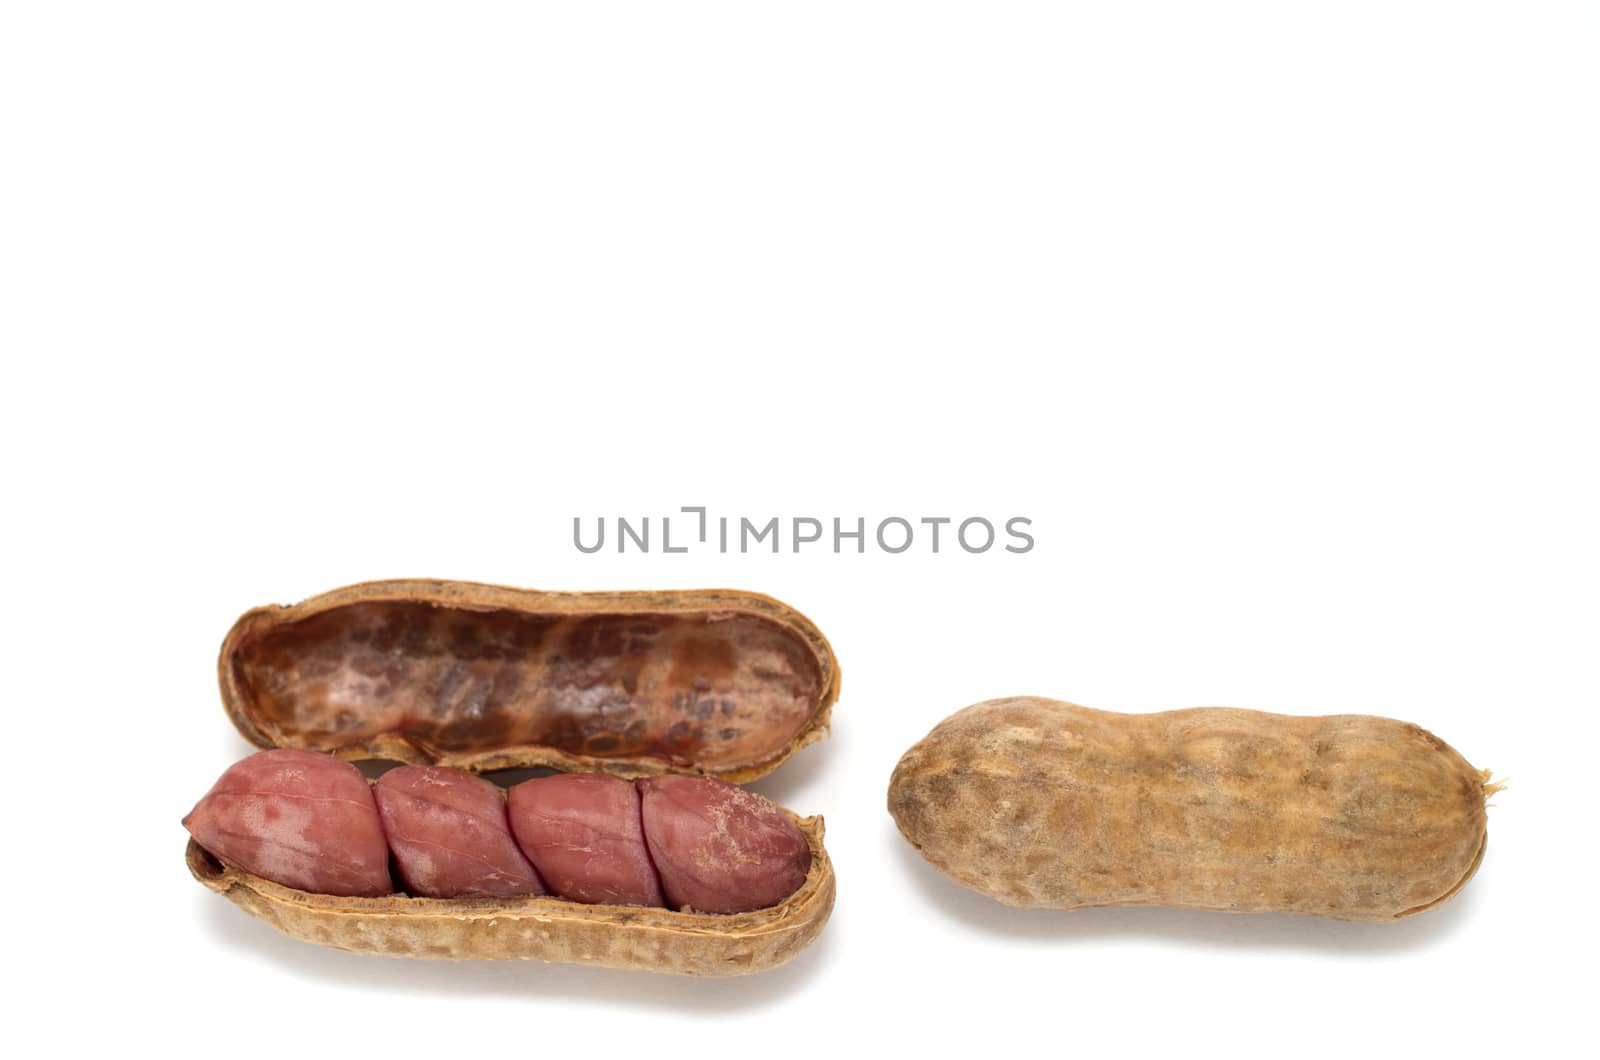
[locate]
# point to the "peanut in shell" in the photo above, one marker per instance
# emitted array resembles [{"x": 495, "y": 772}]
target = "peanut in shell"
[
  {"x": 543, "y": 929},
  {"x": 1041, "y": 803},
  {"x": 721, "y": 683}
]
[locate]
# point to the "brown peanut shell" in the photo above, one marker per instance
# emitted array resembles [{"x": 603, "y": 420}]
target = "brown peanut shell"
[
  {"x": 718, "y": 682},
  {"x": 721, "y": 682},
  {"x": 544, "y": 929},
  {"x": 1040, "y": 803}
]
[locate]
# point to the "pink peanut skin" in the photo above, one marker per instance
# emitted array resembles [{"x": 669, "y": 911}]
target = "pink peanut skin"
[
  {"x": 449, "y": 835},
  {"x": 298, "y": 818},
  {"x": 719, "y": 848},
  {"x": 583, "y": 832}
]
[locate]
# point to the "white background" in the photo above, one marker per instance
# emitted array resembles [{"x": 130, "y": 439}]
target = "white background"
[{"x": 1278, "y": 320}]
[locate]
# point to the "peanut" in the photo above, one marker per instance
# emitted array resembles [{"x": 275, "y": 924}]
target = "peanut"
[
  {"x": 716, "y": 683},
  {"x": 719, "y": 848},
  {"x": 584, "y": 833},
  {"x": 302, "y": 819},
  {"x": 1042, "y": 803},
  {"x": 308, "y": 821},
  {"x": 449, "y": 835}
]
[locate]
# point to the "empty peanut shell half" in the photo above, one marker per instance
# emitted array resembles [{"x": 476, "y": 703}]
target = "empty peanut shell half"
[{"x": 720, "y": 682}]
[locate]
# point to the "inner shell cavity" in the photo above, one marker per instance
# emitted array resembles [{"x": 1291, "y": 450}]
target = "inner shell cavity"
[{"x": 714, "y": 691}]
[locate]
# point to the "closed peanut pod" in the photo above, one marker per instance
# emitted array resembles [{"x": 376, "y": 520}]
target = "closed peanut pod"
[
  {"x": 449, "y": 835},
  {"x": 1041, "y": 803}
]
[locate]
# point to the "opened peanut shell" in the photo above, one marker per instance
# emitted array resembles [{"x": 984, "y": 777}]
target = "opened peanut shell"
[
  {"x": 539, "y": 928},
  {"x": 721, "y": 683}
]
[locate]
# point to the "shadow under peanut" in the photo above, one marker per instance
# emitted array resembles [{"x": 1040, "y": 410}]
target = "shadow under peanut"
[
  {"x": 522, "y": 981},
  {"x": 1185, "y": 927}
]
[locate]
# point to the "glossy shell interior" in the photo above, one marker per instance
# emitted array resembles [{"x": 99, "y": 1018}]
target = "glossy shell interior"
[{"x": 721, "y": 682}]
